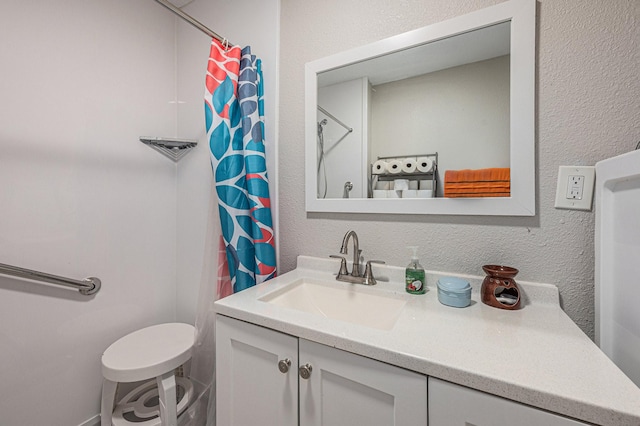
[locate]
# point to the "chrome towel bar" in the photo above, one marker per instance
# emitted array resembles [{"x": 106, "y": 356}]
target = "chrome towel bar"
[{"x": 88, "y": 286}]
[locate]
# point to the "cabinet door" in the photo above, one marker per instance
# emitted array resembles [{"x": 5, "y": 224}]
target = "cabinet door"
[
  {"x": 454, "y": 405},
  {"x": 250, "y": 388},
  {"x": 347, "y": 390}
]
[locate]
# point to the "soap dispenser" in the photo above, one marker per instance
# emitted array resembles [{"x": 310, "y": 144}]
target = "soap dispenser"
[{"x": 414, "y": 274}]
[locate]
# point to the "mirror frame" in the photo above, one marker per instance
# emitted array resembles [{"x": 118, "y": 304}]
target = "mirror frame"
[{"x": 522, "y": 15}]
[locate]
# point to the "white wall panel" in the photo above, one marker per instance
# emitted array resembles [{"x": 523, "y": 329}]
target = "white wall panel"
[{"x": 80, "y": 195}]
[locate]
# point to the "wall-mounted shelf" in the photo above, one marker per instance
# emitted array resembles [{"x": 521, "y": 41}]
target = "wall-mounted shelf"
[{"x": 172, "y": 148}]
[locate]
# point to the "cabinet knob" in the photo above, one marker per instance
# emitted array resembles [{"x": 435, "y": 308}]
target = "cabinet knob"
[
  {"x": 284, "y": 364},
  {"x": 305, "y": 371}
]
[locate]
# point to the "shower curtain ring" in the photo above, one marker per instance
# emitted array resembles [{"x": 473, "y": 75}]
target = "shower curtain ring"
[{"x": 225, "y": 43}]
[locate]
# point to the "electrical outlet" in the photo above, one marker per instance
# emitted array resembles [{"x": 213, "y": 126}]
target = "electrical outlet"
[{"x": 575, "y": 187}]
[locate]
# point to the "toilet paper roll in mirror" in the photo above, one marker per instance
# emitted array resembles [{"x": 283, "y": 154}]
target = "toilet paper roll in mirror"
[
  {"x": 425, "y": 164},
  {"x": 426, "y": 184},
  {"x": 394, "y": 166},
  {"x": 409, "y": 165},
  {"x": 379, "y": 167},
  {"x": 383, "y": 185},
  {"x": 400, "y": 184}
]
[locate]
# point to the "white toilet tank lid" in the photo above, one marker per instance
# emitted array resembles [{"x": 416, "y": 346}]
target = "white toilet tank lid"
[{"x": 617, "y": 256}]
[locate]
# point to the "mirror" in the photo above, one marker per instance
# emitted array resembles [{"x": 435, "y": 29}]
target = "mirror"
[{"x": 451, "y": 96}]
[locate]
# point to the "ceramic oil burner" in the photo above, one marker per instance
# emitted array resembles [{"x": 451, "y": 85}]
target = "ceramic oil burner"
[{"x": 499, "y": 289}]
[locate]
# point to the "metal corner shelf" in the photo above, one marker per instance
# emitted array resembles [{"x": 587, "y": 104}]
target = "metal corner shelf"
[{"x": 173, "y": 148}]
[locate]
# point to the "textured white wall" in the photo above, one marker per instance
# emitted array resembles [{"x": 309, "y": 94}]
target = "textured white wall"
[
  {"x": 587, "y": 110},
  {"x": 81, "y": 81}
]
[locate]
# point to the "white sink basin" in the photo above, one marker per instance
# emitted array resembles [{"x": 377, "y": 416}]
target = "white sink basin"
[{"x": 352, "y": 303}]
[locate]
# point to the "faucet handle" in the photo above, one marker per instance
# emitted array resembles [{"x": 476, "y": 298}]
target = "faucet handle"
[
  {"x": 368, "y": 272},
  {"x": 343, "y": 264}
]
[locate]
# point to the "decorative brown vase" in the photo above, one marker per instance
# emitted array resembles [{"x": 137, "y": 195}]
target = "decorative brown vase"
[{"x": 499, "y": 289}]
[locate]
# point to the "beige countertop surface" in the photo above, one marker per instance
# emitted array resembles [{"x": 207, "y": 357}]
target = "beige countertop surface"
[{"x": 535, "y": 355}]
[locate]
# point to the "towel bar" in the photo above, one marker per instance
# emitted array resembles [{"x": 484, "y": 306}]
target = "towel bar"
[{"x": 88, "y": 286}]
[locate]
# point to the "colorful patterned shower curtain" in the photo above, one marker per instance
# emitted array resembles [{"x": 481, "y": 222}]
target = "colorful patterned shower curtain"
[{"x": 234, "y": 111}]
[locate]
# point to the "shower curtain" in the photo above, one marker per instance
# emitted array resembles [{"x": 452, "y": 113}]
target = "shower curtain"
[
  {"x": 234, "y": 113},
  {"x": 246, "y": 255}
]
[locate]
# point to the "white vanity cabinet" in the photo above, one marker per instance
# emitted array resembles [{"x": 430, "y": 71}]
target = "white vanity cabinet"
[
  {"x": 250, "y": 389},
  {"x": 342, "y": 389},
  {"x": 386, "y": 354},
  {"x": 346, "y": 390},
  {"x": 454, "y": 405}
]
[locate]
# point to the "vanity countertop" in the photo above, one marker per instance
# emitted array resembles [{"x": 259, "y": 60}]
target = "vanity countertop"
[{"x": 535, "y": 355}]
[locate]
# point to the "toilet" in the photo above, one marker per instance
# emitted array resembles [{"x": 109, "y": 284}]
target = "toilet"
[
  {"x": 151, "y": 355},
  {"x": 617, "y": 255}
]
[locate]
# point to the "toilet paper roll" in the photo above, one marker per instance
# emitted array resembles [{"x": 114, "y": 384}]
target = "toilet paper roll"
[
  {"x": 426, "y": 184},
  {"x": 425, "y": 164},
  {"x": 378, "y": 193},
  {"x": 394, "y": 194},
  {"x": 383, "y": 185},
  {"x": 410, "y": 193},
  {"x": 400, "y": 184},
  {"x": 409, "y": 165},
  {"x": 394, "y": 166},
  {"x": 379, "y": 167},
  {"x": 413, "y": 184},
  {"x": 424, "y": 193}
]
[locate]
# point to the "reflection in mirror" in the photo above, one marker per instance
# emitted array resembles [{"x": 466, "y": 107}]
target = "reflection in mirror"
[
  {"x": 461, "y": 112},
  {"x": 451, "y": 96}
]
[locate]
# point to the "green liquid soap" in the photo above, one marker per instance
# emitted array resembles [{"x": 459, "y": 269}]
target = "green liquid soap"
[{"x": 414, "y": 275}]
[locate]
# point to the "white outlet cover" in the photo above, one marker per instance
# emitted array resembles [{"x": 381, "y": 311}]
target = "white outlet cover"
[{"x": 562, "y": 198}]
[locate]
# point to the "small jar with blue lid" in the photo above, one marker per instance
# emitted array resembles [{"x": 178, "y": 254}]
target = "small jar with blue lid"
[{"x": 453, "y": 291}]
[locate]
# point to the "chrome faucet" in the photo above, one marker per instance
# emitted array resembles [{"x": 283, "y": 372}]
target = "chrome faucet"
[
  {"x": 355, "y": 269},
  {"x": 348, "y": 186},
  {"x": 354, "y": 277}
]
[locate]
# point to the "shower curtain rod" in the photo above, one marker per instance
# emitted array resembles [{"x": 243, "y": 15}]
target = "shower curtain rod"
[
  {"x": 333, "y": 117},
  {"x": 193, "y": 21}
]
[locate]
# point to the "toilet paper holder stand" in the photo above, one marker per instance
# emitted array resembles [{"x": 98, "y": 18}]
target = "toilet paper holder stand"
[{"x": 415, "y": 167}]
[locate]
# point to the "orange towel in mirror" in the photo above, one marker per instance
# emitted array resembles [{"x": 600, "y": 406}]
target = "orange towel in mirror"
[
  {"x": 479, "y": 175},
  {"x": 491, "y": 182}
]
